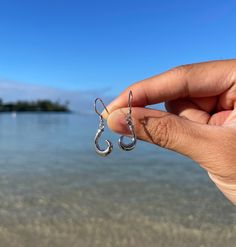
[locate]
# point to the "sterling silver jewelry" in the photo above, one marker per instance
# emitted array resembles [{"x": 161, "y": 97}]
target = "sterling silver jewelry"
[
  {"x": 108, "y": 150},
  {"x": 130, "y": 146}
]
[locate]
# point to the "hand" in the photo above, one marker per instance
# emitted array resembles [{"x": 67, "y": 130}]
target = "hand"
[{"x": 201, "y": 118}]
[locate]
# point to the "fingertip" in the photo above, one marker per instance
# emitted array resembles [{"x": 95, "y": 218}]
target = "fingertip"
[
  {"x": 116, "y": 121},
  {"x": 119, "y": 102},
  {"x": 104, "y": 114},
  {"x": 109, "y": 109}
]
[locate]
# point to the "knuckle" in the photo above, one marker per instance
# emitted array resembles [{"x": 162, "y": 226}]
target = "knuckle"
[
  {"x": 183, "y": 72},
  {"x": 181, "y": 69},
  {"x": 231, "y": 75},
  {"x": 161, "y": 131}
]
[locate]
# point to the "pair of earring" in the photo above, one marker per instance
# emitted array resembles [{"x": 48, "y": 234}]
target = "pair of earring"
[{"x": 127, "y": 147}]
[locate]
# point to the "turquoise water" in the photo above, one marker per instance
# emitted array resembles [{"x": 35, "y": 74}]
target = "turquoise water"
[{"x": 55, "y": 191}]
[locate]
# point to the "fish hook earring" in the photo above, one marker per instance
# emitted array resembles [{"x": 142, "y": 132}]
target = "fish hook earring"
[
  {"x": 132, "y": 144},
  {"x": 108, "y": 150}
]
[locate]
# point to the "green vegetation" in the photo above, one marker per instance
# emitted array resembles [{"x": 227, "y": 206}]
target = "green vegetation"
[{"x": 34, "y": 106}]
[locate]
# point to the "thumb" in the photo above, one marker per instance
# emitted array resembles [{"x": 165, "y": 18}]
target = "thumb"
[
  {"x": 231, "y": 119},
  {"x": 164, "y": 129}
]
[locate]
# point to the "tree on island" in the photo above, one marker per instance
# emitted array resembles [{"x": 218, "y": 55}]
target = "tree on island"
[{"x": 34, "y": 106}]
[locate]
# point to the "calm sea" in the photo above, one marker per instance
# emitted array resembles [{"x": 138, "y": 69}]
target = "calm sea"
[{"x": 55, "y": 191}]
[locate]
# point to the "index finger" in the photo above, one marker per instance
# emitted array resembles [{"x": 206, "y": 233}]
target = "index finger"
[{"x": 194, "y": 80}]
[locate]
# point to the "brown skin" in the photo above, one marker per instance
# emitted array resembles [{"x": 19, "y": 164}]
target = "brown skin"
[{"x": 201, "y": 119}]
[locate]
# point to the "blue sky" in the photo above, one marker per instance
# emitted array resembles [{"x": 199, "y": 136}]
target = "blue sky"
[{"x": 94, "y": 45}]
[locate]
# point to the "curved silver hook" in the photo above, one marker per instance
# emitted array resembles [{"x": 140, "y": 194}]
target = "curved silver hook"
[
  {"x": 130, "y": 101},
  {"x": 130, "y": 146},
  {"x": 95, "y": 106},
  {"x": 108, "y": 150}
]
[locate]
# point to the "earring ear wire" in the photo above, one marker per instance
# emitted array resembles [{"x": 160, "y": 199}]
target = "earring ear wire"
[
  {"x": 130, "y": 146},
  {"x": 99, "y": 151}
]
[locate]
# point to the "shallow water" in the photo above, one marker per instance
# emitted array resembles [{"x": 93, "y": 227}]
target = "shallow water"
[{"x": 55, "y": 191}]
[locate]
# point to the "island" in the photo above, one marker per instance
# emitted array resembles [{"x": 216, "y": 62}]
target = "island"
[{"x": 44, "y": 105}]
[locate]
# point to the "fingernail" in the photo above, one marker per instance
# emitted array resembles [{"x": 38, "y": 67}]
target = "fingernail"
[{"x": 117, "y": 121}]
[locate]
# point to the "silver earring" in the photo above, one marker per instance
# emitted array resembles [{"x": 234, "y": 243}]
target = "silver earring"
[
  {"x": 130, "y": 146},
  {"x": 108, "y": 150}
]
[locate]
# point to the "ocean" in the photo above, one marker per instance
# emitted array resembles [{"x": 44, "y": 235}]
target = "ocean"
[{"x": 56, "y": 191}]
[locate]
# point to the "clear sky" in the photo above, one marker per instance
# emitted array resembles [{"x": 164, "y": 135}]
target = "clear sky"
[{"x": 108, "y": 44}]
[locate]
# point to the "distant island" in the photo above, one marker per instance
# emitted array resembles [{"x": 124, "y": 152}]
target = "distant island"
[{"x": 34, "y": 106}]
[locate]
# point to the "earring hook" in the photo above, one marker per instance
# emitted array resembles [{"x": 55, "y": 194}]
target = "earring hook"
[
  {"x": 108, "y": 150},
  {"x": 132, "y": 144},
  {"x": 95, "y": 106},
  {"x": 130, "y": 101}
]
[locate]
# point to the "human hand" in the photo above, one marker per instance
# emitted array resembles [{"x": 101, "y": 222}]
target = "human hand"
[{"x": 201, "y": 118}]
